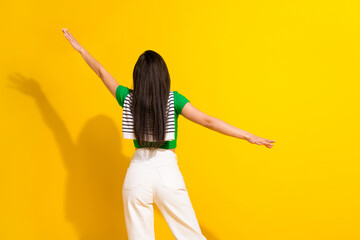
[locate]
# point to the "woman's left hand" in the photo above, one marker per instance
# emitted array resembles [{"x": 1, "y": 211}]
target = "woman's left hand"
[
  {"x": 260, "y": 141},
  {"x": 71, "y": 39}
]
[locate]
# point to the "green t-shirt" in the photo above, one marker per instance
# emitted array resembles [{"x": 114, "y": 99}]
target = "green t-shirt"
[{"x": 179, "y": 102}]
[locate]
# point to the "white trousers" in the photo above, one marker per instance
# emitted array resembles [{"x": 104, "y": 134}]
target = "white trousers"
[{"x": 154, "y": 176}]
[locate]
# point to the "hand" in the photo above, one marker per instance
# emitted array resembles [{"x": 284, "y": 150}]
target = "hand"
[
  {"x": 71, "y": 39},
  {"x": 260, "y": 141}
]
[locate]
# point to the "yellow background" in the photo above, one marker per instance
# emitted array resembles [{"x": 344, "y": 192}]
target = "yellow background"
[{"x": 283, "y": 70}]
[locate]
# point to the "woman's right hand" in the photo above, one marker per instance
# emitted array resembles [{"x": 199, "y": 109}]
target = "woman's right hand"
[
  {"x": 260, "y": 141},
  {"x": 76, "y": 45}
]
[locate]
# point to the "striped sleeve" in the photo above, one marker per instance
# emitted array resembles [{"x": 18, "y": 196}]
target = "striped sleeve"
[
  {"x": 180, "y": 101},
  {"x": 121, "y": 93}
]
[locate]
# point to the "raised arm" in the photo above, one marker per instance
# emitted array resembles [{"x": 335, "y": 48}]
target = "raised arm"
[
  {"x": 106, "y": 77},
  {"x": 193, "y": 114}
]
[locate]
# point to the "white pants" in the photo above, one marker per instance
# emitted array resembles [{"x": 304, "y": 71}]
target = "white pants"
[{"x": 154, "y": 176}]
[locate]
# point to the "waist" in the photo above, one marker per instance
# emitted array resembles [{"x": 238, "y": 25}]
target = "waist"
[
  {"x": 172, "y": 149},
  {"x": 158, "y": 155}
]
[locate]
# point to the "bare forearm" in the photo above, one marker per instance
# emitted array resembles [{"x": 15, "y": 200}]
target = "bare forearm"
[
  {"x": 91, "y": 61},
  {"x": 227, "y": 129}
]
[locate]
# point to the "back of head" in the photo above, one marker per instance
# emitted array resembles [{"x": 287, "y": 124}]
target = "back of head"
[{"x": 151, "y": 82}]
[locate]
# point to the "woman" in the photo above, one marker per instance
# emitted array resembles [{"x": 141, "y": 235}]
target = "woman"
[{"x": 150, "y": 113}]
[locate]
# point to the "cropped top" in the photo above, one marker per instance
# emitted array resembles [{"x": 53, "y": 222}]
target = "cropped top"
[{"x": 179, "y": 103}]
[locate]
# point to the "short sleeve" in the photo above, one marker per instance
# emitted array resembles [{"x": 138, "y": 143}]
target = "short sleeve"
[
  {"x": 179, "y": 101},
  {"x": 121, "y": 93}
]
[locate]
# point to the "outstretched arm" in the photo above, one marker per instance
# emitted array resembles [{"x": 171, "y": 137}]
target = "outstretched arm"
[
  {"x": 106, "y": 77},
  {"x": 213, "y": 123}
]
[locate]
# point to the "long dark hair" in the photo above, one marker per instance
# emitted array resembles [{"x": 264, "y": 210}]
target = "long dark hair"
[{"x": 151, "y": 81}]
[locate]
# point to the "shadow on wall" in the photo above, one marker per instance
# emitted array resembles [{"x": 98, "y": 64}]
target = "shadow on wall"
[{"x": 95, "y": 170}]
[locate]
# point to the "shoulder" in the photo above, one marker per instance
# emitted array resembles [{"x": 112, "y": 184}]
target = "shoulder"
[
  {"x": 179, "y": 101},
  {"x": 179, "y": 96},
  {"x": 121, "y": 93},
  {"x": 122, "y": 89}
]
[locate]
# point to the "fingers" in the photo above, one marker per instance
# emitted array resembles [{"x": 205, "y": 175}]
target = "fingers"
[
  {"x": 67, "y": 33},
  {"x": 264, "y": 142},
  {"x": 268, "y": 143}
]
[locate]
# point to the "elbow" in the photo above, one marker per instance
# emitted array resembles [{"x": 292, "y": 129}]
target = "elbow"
[
  {"x": 101, "y": 72},
  {"x": 209, "y": 122}
]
